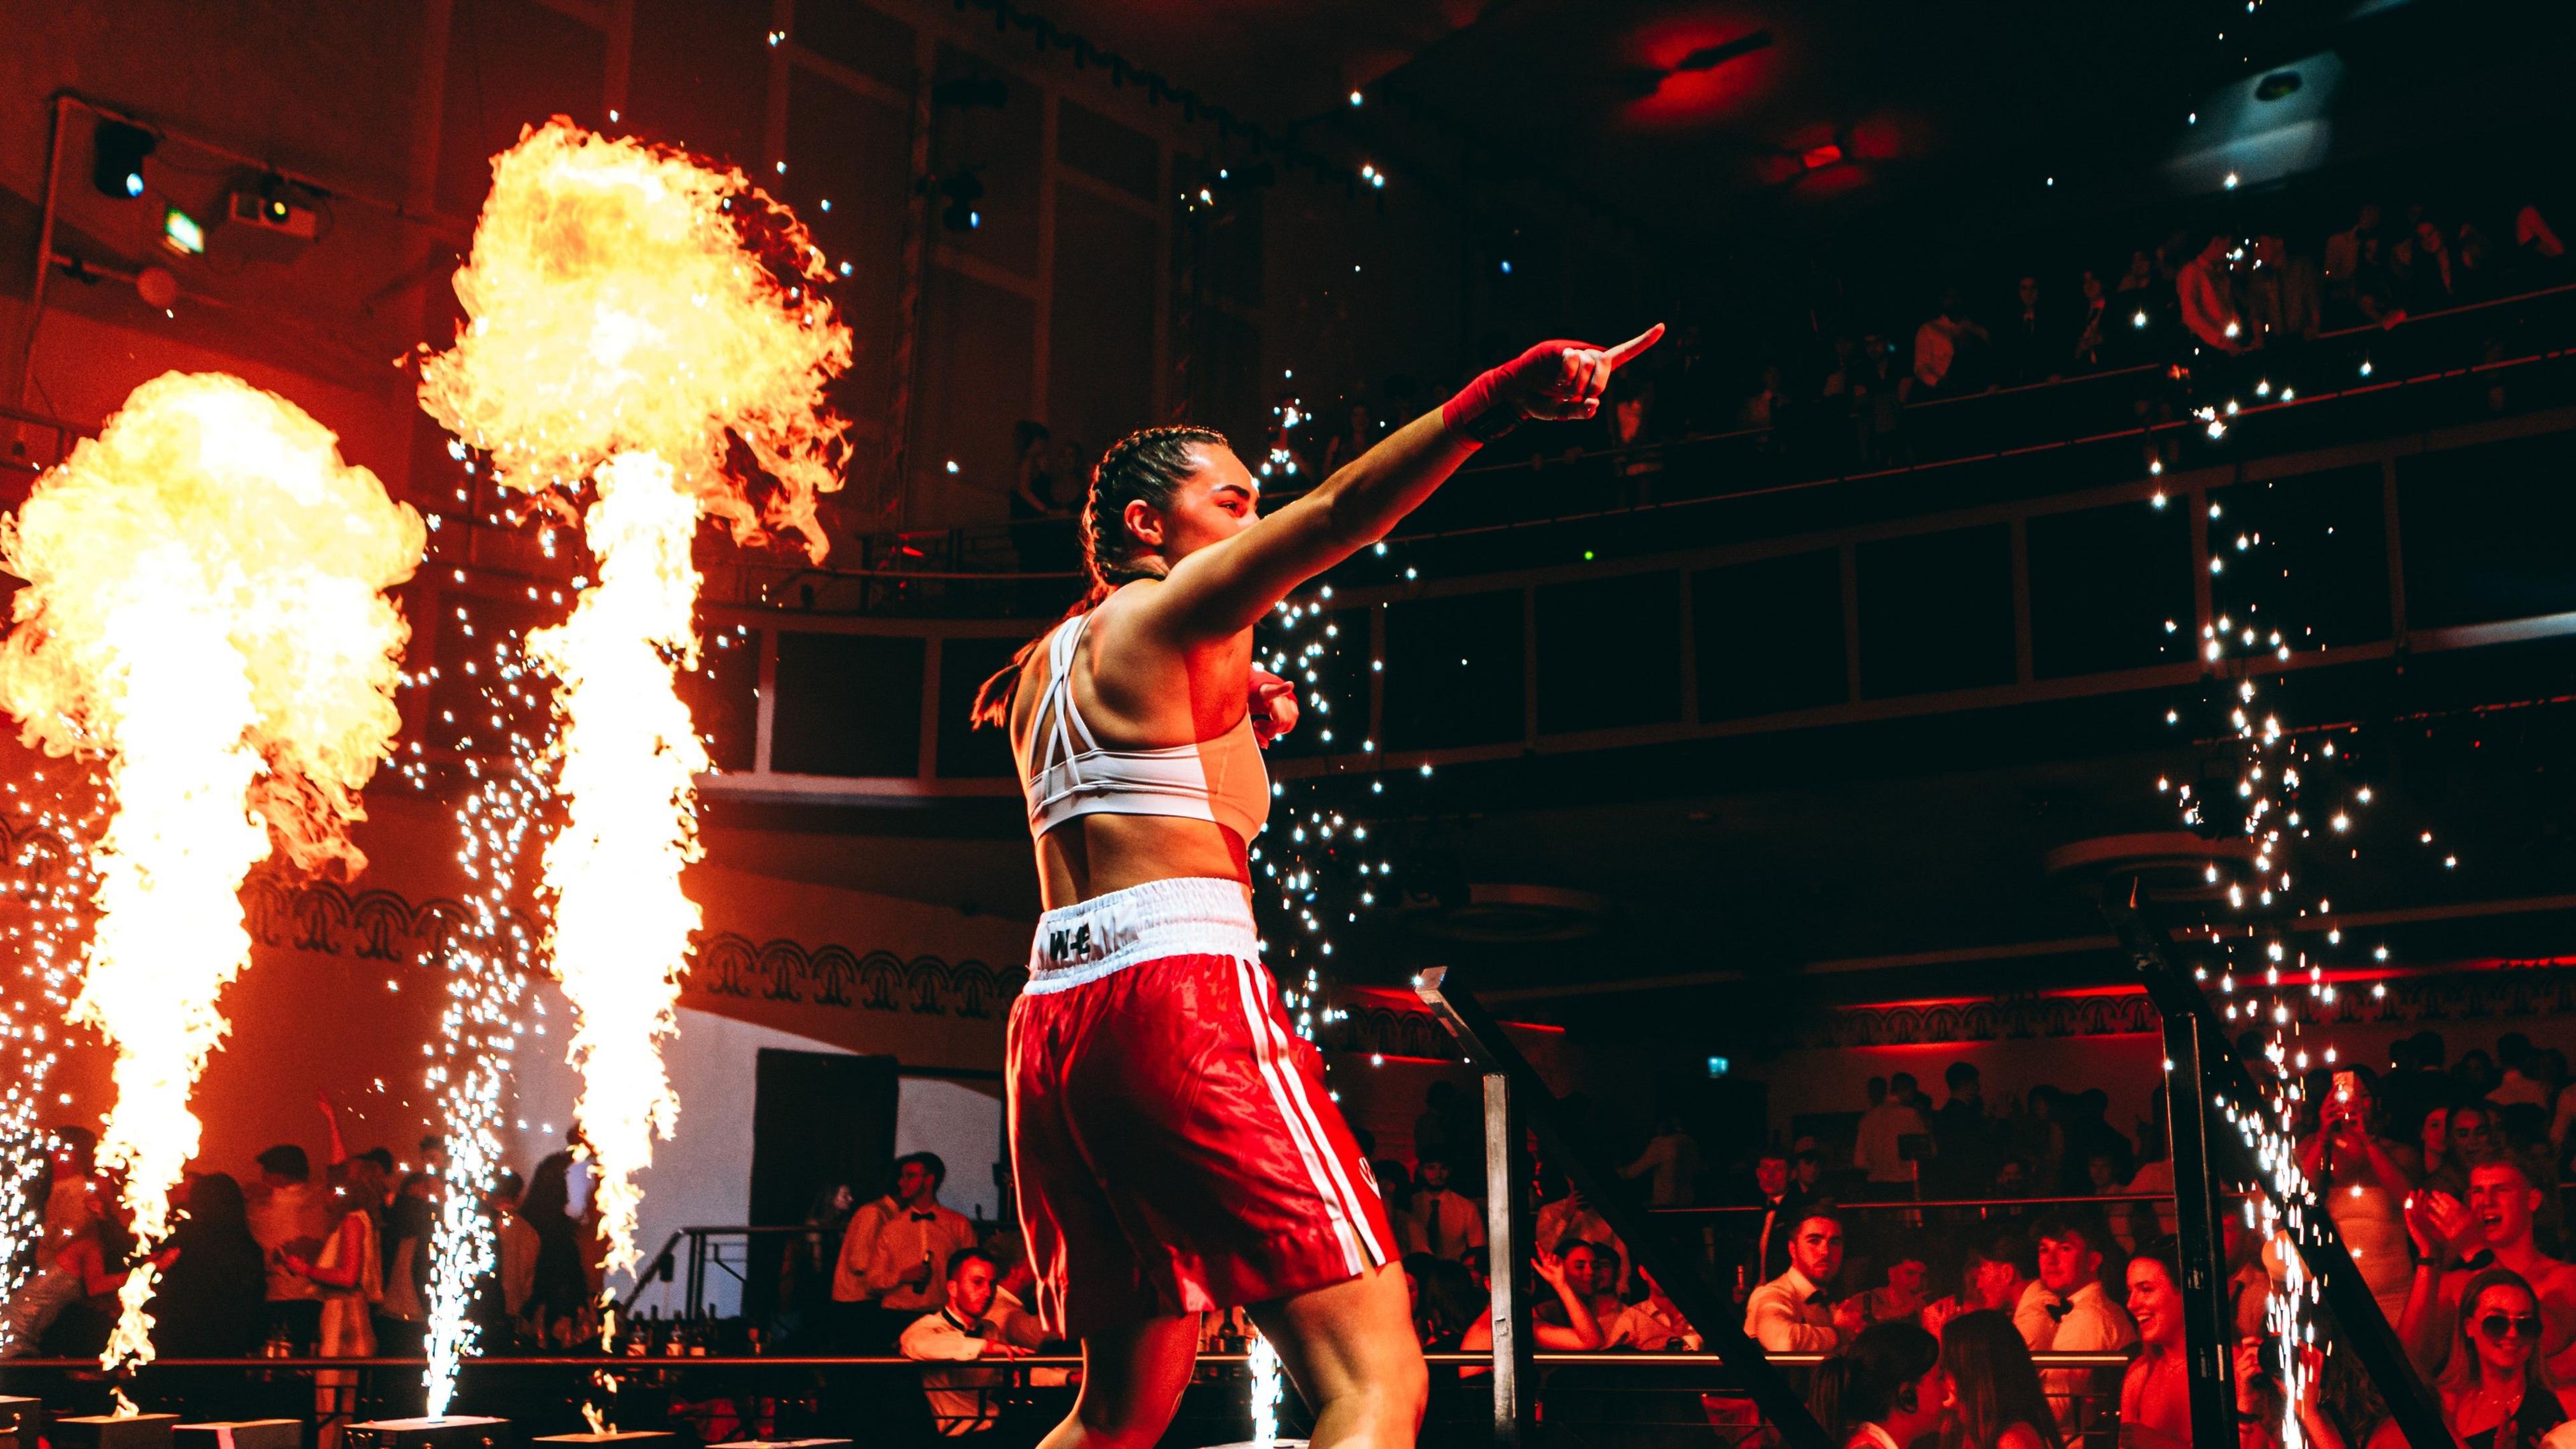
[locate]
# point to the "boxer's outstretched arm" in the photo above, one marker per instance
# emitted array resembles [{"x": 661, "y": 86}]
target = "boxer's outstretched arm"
[{"x": 1221, "y": 590}]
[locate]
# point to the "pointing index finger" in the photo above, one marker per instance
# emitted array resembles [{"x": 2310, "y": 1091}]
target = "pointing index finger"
[{"x": 1618, "y": 356}]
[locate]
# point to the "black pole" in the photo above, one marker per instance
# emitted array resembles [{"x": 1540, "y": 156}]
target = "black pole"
[
  {"x": 2222, "y": 1077},
  {"x": 1507, "y": 1244},
  {"x": 2209, "y": 1328},
  {"x": 1707, "y": 1309}
]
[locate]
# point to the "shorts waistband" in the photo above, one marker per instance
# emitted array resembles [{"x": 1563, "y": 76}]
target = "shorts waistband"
[{"x": 1184, "y": 916}]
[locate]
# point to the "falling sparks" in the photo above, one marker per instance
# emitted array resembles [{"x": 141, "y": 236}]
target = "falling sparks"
[
  {"x": 489, "y": 963},
  {"x": 49, "y": 885},
  {"x": 1268, "y": 1391},
  {"x": 634, "y": 319},
  {"x": 204, "y": 612}
]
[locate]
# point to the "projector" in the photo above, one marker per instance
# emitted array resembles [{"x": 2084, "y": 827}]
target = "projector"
[{"x": 273, "y": 213}]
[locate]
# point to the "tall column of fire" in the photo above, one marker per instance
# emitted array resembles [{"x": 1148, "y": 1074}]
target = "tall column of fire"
[
  {"x": 644, "y": 342},
  {"x": 206, "y": 613}
]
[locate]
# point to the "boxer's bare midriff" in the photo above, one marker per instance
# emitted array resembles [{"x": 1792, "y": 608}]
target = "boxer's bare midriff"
[{"x": 1092, "y": 855}]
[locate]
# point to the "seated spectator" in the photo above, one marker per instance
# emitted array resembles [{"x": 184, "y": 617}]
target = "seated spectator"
[
  {"x": 2000, "y": 1403},
  {"x": 1902, "y": 1295},
  {"x": 2456, "y": 1242},
  {"x": 2428, "y": 280},
  {"x": 2155, "y": 1393},
  {"x": 1796, "y": 1312},
  {"x": 2067, "y": 1311},
  {"x": 2094, "y": 332},
  {"x": 1781, "y": 1204},
  {"x": 1652, "y": 1324},
  {"x": 1573, "y": 1330},
  {"x": 1886, "y": 1392},
  {"x": 2028, "y": 345},
  {"x": 2001, "y": 1269},
  {"x": 1440, "y": 1220},
  {"x": 1587, "y": 1268},
  {"x": 2544, "y": 255},
  {"x": 1768, "y": 407},
  {"x": 2282, "y": 299},
  {"x": 1447, "y": 1300},
  {"x": 2473, "y": 1133},
  {"x": 1571, "y": 1216},
  {"x": 2203, "y": 291},
  {"x": 977, "y": 1322},
  {"x": 2496, "y": 1388},
  {"x": 2344, "y": 251},
  {"x": 1939, "y": 366}
]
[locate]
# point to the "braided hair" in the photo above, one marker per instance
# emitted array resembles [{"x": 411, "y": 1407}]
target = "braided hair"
[{"x": 1147, "y": 466}]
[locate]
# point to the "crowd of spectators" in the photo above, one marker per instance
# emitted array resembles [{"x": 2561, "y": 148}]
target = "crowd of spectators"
[
  {"x": 2441, "y": 1174},
  {"x": 2192, "y": 319}
]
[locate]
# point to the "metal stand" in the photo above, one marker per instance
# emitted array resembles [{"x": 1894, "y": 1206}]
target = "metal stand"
[
  {"x": 1511, "y": 1080},
  {"x": 2207, "y": 1073},
  {"x": 1507, "y": 1251}
]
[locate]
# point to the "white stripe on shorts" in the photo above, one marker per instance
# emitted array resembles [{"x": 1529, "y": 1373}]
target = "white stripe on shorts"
[
  {"x": 1315, "y": 1151},
  {"x": 1351, "y": 1204}
]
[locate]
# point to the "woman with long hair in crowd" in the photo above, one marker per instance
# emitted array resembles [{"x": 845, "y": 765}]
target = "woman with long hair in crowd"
[
  {"x": 350, "y": 1272},
  {"x": 2001, "y": 1405},
  {"x": 1173, "y": 1147},
  {"x": 1885, "y": 1391},
  {"x": 2496, "y": 1389}
]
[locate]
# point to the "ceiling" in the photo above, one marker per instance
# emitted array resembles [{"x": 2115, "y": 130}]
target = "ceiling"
[{"x": 1739, "y": 116}]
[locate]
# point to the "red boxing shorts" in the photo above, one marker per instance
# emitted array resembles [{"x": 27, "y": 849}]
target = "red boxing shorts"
[{"x": 1171, "y": 1140}]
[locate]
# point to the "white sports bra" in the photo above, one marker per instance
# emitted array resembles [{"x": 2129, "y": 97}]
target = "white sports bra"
[{"x": 1066, "y": 773}]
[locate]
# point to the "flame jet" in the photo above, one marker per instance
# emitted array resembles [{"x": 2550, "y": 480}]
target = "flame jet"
[
  {"x": 644, "y": 326},
  {"x": 206, "y": 613}
]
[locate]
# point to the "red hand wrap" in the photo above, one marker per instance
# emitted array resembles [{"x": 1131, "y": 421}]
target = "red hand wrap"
[{"x": 1488, "y": 407}]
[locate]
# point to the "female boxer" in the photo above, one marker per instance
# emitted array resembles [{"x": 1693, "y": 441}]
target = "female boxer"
[{"x": 1174, "y": 1149}]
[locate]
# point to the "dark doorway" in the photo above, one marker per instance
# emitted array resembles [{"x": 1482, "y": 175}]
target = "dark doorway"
[{"x": 817, "y": 1118}]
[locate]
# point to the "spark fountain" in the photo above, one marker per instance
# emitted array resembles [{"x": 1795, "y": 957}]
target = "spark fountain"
[
  {"x": 636, "y": 321},
  {"x": 205, "y": 613}
]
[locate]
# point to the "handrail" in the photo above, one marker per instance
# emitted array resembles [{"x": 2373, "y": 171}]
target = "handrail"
[
  {"x": 1909, "y": 1205},
  {"x": 612, "y": 1363}
]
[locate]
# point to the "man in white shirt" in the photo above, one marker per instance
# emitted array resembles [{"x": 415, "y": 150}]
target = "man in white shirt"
[
  {"x": 1654, "y": 1325},
  {"x": 2066, "y": 1311},
  {"x": 978, "y": 1322},
  {"x": 1891, "y": 1119},
  {"x": 1796, "y": 1312},
  {"x": 1442, "y": 1221},
  {"x": 893, "y": 1263}
]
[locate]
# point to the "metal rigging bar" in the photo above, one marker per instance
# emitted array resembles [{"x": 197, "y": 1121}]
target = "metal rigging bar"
[
  {"x": 1707, "y": 1309},
  {"x": 2207, "y": 1073}
]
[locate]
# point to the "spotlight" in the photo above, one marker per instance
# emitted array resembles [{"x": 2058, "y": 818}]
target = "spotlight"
[
  {"x": 117, "y": 152},
  {"x": 181, "y": 233}
]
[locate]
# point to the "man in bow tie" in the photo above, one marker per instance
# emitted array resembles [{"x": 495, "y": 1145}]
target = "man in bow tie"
[
  {"x": 893, "y": 1266},
  {"x": 1442, "y": 1221},
  {"x": 2066, "y": 1311},
  {"x": 1797, "y": 1312}
]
